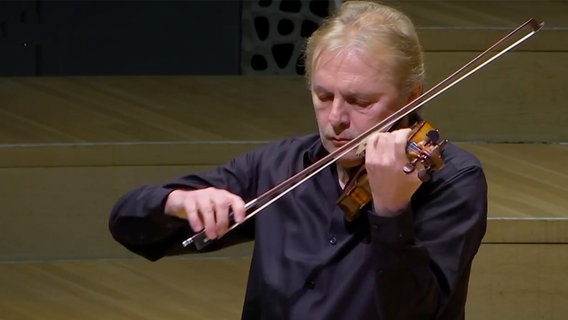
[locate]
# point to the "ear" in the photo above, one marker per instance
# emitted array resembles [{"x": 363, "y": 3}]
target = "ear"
[{"x": 415, "y": 92}]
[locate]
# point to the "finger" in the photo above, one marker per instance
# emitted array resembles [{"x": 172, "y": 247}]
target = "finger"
[
  {"x": 372, "y": 142},
  {"x": 402, "y": 136},
  {"x": 207, "y": 213},
  {"x": 400, "y": 143},
  {"x": 193, "y": 216},
  {"x": 221, "y": 216},
  {"x": 238, "y": 207}
]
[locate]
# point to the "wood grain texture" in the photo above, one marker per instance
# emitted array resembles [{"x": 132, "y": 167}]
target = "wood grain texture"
[
  {"x": 182, "y": 289},
  {"x": 69, "y": 146},
  {"x": 509, "y": 281},
  {"x": 507, "y": 104}
]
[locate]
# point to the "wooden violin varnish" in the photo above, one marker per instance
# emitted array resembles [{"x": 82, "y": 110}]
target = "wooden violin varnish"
[{"x": 424, "y": 150}]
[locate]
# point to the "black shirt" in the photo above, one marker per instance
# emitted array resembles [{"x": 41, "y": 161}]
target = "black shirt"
[{"x": 308, "y": 261}]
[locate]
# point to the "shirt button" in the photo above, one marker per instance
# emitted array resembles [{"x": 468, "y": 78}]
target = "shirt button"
[{"x": 332, "y": 240}]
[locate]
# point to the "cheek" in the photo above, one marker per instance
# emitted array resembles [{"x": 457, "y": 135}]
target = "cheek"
[
  {"x": 367, "y": 118},
  {"x": 361, "y": 121},
  {"x": 321, "y": 113},
  {"x": 322, "y": 120}
]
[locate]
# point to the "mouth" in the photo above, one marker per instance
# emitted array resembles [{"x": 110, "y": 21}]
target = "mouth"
[{"x": 339, "y": 142}]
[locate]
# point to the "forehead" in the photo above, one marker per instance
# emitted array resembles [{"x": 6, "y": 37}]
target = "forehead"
[{"x": 350, "y": 67}]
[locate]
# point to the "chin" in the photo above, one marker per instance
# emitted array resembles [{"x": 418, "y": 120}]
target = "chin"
[{"x": 349, "y": 161}]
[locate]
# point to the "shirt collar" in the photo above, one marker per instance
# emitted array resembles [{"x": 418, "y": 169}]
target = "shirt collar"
[{"x": 315, "y": 152}]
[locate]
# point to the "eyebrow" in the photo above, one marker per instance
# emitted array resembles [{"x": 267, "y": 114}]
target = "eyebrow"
[
  {"x": 363, "y": 95},
  {"x": 319, "y": 88}
]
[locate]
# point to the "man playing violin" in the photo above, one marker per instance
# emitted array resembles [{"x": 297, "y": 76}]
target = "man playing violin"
[{"x": 407, "y": 255}]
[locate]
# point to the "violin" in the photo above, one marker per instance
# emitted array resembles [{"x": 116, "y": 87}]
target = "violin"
[{"x": 424, "y": 150}]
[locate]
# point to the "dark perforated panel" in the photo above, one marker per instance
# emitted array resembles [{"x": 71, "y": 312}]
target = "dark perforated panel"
[{"x": 274, "y": 32}]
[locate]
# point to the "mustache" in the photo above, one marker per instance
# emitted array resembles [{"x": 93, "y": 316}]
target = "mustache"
[{"x": 329, "y": 133}]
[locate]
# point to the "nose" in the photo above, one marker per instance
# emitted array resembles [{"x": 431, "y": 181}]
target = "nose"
[{"x": 339, "y": 115}]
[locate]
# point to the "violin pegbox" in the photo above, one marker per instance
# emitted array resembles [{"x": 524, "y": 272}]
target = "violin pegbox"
[{"x": 424, "y": 150}]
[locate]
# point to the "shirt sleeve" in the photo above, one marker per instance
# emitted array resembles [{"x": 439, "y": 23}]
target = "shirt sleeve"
[
  {"x": 138, "y": 222},
  {"x": 424, "y": 255}
]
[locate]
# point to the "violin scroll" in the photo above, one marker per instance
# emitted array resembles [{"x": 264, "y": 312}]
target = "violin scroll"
[{"x": 424, "y": 148}]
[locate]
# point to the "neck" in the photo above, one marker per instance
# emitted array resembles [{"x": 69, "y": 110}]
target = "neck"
[{"x": 344, "y": 174}]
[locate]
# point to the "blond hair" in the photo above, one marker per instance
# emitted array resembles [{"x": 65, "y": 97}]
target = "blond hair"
[{"x": 370, "y": 27}]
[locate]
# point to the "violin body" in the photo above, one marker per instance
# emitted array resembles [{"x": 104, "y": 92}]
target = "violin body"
[{"x": 424, "y": 151}]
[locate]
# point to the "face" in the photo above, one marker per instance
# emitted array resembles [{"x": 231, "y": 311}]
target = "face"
[{"x": 351, "y": 93}]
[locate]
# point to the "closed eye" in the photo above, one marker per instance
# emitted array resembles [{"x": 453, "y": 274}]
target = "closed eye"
[
  {"x": 358, "y": 102},
  {"x": 325, "y": 97}
]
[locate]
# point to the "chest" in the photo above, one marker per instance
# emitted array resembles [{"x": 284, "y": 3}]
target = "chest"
[{"x": 306, "y": 229}]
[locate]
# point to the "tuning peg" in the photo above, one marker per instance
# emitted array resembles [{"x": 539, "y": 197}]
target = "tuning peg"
[{"x": 433, "y": 136}]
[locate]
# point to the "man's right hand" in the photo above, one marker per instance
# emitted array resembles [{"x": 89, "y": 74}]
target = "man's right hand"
[{"x": 206, "y": 209}]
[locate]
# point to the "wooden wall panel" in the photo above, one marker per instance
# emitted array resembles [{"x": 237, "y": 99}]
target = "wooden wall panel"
[
  {"x": 69, "y": 146},
  {"x": 519, "y": 281},
  {"x": 508, "y": 282},
  {"x": 57, "y": 199}
]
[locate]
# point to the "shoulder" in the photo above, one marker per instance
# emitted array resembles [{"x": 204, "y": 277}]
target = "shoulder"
[
  {"x": 298, "y": 142},
  {"x": 456, "y": 158},
  {"x": 290, "y": 147},
  {"x": 292, "y": 153},
  {"x": 459, "y": 165}
]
